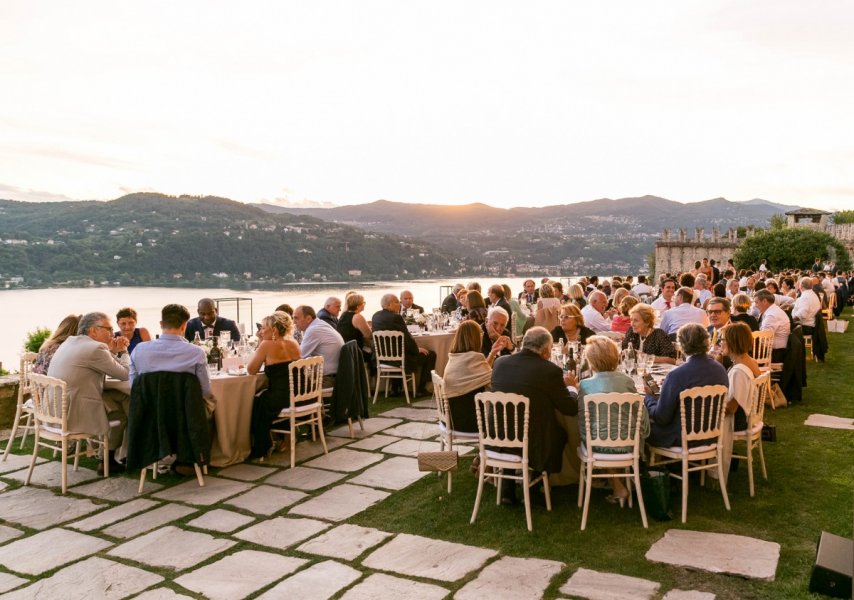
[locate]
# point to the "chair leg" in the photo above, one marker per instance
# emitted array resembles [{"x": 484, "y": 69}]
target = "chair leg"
[
  {"x": 581, "y": 487},
  {"x": 548, "y": 490},
  {"x": 293, "y": 436},
  {"x": 320, "y": 432},
  {"x": 76, "y": 454},
  {"x": 684, "y": 490},
  {"x": 204, "y": 469},
  {"x": 481, "y": 476},
  {"x": 361, "y": 424},
  {"x": 377, "y": 388},
  {"x": 639, "y": 492},
  {"x": 33, "y": 459},
  {"x": 499, "y": 481},
  {"x": 749, "y": 443},
  {"x": 762, "y": 460},
  {"x": 406, "y": 388},
  {"x": 526, "y": 494},
  {"x": 11, "y": 441},
  {"x": 199, "y": 477},
  {"x": 722, "y": 480},
  {"x": 350, "y": 427},
  {"x": 587, "y": 485},
  {"x": 64, "y": 465},
  {"x": 142, "y": 477}
]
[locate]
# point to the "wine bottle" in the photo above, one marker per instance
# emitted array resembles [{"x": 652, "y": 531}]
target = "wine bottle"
[
  {"x": 571, "y": 364},
  {"x": 215, "y": 355}
]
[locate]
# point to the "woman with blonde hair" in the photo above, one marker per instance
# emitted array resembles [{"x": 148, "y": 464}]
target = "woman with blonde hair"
[
  {"x": 603, "y": 356},
  {"x": 576, "y": 295},
  {"x": 352, "y": 324},
  {"x": 66, "y": 328},
  {"x": 645, "y": 337},
  {"x": 276, "y": 351},
  {"x": 467, "y": 373},
  {"x": 740, "y": 305},
  {"x": 622, "y": 322}
]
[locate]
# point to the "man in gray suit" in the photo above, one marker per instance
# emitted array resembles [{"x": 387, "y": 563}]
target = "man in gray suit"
[{"x": 83, "y": 362}]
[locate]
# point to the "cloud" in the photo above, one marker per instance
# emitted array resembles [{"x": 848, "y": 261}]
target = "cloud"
[
  {"x": 66, "y": 155},
  {"x": 11, "y": 192}
]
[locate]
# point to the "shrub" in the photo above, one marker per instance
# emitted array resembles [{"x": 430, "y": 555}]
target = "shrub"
[
  {"x": 36, "y": 338},
  {"x": 791, "y": 249}
]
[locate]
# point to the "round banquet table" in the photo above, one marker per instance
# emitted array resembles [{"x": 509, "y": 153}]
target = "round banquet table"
[
  {"x": 234, "y": 396},
  {"x": 440, "y": 343}
]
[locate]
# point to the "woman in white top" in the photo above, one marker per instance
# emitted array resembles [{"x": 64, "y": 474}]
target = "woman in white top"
[{"x": 737, "y": 343}]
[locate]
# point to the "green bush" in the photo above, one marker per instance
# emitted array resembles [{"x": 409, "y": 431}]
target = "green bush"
[
  {"x": 791, "y": 249},
  {"x": 36, "y": 338}
]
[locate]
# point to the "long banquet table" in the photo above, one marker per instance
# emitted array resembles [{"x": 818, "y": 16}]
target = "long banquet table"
[
  {"x": 234, "y": 397},
  {"x": 440, "y": 343}
]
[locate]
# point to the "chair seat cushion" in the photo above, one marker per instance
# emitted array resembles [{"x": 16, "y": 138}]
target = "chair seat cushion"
[
  {"x": 745, "y": 433},
  {"x": 301, "y": 409},
  {"x": 457, "y": 434},
  {"x": 389, "y": 367},
  {"x": 503, "y": 456},
  {"x": 582, "y": 453},
  {"x": 695, "y": 450}
]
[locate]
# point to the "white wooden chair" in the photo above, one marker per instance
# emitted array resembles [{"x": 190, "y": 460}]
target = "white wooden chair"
[
  {"x": 752, "y": 436},
  {"x": 763, "y": 344},
  {"x": 447, "y": 433},
  {"x": 618, "y": 420},
  {"x": 502, "y": 422},
  {"x": 23, "y": 418},
  {"x": 703, "y": 424},
  {"x": 390, "y": 354},
  {"x": 50, "y": 409},
  {"x": 306, "y": 408}
]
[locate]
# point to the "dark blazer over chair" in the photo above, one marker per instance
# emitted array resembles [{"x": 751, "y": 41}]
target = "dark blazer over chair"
[
  {"x": 167, "y": 416},
  {"x": 350, "y": 395}
]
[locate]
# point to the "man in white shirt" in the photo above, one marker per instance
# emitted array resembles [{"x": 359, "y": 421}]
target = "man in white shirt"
[
  {"x": 594, "y": 313},
  {"x": 642, "y": 288},
  {"x": 732, "y": 287},
  {"x": 683, "y": 312},
  {"x": 319, "y": 339},
  {"x": 775, "y": 319},
  {"x": 806, "y": 306},
  {"x": 702, "y": 290},
  {"x": 665, "y": 300}
]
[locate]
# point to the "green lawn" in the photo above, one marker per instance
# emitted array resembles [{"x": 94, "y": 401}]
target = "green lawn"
[{"x": 809, "y": 490}]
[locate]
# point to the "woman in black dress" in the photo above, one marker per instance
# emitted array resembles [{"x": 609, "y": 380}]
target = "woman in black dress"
[{"x": 645, "y": 337}]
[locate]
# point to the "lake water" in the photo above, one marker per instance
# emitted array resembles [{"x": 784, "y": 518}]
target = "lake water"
[{"x": 23, "y": 311}]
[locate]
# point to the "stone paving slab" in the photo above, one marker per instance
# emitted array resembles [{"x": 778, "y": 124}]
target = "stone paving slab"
[
  {"x": 10, "y": 582},
  {"x": 215, "y": 490},
  {"x": 511, "y": 578},
  {"x": 416, "y": 431},
  {"x": 281, "y": 532},
  {"x": 28, "y": 555},
  {"x": 393, "y": 588},
  {"x": 817, "y": 420},
  {"x": 39, "y": 509},
  {"x": 9, "y": 533},
  {"x": 345, "y": 460},
  {"x": 92, "y": 578},
  {"x": 3, "y": 486},
  {"x": 304, "y": 478},
  {"x": 608, "y": 586},
  {"x": 111, "y": 515},
  {"x": 161, "y": 594},
  {"x": 418, "y": 556},
  {"x": 372, "y": 426},
  {"x": 375, "y": 442},
  {"x": 306, "y": 450},
  {"x": 318, "y": 582},
  {"x": 717, "y": 553},
  {"x": 266, "y": 499},
  {"x": 688, "y": 595},
  {"x": 413, "y": 447},
  {"x": 49, "y": 474},
  {"x": 223, "y": 521},
  {"x": 117, "y": 489},
  {"x": 239, "y": 575},
  {"x": 393, "y": 474},
  {"x": 345, "y": 541},
  {"x": 412, "y": 414},
  {"x": 339, "y": 503},
  {"x": 426, "y": 403},
  {"x": 148, "y": 521},
  {"x": 15, "y": 462},
  {"x": 172, "y": 548},
  {"x": 246, "y": 472}
]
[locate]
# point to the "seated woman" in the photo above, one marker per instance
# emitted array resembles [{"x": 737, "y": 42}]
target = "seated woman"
[
  {"x": 516, "y": 308},
  {"x": 66, "y": 328},
  {"x": 276, "y": 350},
  {"x": 737, "y": 343},
  {"x": 547, "y": 297},
  {"x": 571, "y": 326},
  {"x": 476, "y": 307},
  {"x": 740, "y": 305},
  {"x": 622, "y": 322},
  {"x": 126, "y": 321},
  {"x": 617, "y": 297},
  {"x": 576, "y": 295},
  {"x": 603, "y": 356},
  {"x": 353, "y": 326},
  {"x": 645, "y": 337},
  {"x": 466, "y": 374},
  {"x": 557, "y": 286}
]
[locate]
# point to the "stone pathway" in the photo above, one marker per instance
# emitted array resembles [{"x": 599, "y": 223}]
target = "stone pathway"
[{"x": 269, "y": 531}]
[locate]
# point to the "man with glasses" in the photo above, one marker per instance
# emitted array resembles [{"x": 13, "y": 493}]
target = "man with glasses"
[{"x": 83, "y": 362}]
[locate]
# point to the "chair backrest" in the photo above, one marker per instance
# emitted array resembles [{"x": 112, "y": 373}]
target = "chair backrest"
[
  {"x": 502, "y": 420},
  {"x": 702, "y": 411},
  {"x": 389, "y": 346},
  {"x": 28, "y": 361},
  {"x": 616, "y": 420},
  {"x": 306, "y": 377},
  {"x": 441, "y": 400},
  {"x": 761, "y": 389},
  {"x": 50, "y": 400},
  {"x": 763, "y": 344}
]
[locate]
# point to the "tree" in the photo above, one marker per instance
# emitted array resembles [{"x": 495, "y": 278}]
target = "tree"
[
  {"x": 843, "y": 216},
  {"x": 791, "y": 249},
  {"x": 777, "y": 222}
]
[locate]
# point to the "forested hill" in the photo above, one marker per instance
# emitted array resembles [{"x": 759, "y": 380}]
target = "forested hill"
[{"x": 154, "y": 239}]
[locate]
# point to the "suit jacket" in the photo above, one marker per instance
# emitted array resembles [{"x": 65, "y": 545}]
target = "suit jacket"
[
  {"x": 541, "y": 381},
  {"x": 664, "y": 411},
  {"x": 325, "y": 315},
  {"x": 413, "y": 307},
  {"x": 84, "y": 363},
  {"x": 386, "y": 320},
  {"x": 523, "y": 296},
  {"x": 221, "y": 324},
  {"x": 450, "y": 304}
]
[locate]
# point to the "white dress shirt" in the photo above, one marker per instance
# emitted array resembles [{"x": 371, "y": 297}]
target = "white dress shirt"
[
  {"x": 806, "y": 306},
  {"x": 642, "y": 289},
  {"x": 678, "y": 316},
  {"x": 660, "y": 304},
  {"x": 594, "y": 319},
  {"x": 776, "y": 319}
]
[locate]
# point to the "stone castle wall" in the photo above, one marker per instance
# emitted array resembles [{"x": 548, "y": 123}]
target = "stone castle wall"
[{"x": 674, "y": 254}]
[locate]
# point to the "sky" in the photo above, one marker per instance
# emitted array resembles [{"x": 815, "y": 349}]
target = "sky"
[{"x": 505, "y": 103}]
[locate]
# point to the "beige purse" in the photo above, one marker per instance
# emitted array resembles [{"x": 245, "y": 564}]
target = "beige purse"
[{"x": 443, "y": 461}]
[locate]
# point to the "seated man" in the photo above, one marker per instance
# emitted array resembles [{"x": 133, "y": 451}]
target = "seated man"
[
  {"x": 496, "y": 339},
  {"x": 210, "y": 323},
  {"x": 319, "y": 338},
  {"x": 595, "y": 316},
  {"x": 451, "y": 303},
  {"x": 407, "y": 302},
  {"x": 642, "y": 288},
  {"x": 699, "y": 369},
  {"x": 665, "y": 300},
  {"x": 702, "y": 291},
  {"x": 418, "y": 360},
  {"x": 531, "y": 294},
  {"x": 719, "y": 311},
  {"x": 683, "y": 312},
  {"x": 173, "y": 353},
  {"x": 806, "y": 306},
  {"x": 83, "y": 361},
  {"x": 330, "y": 311},
  {"x": 496, "y": 298},
  {"x": 775, "y": 319},
  {"x": 530, "y": 373}
]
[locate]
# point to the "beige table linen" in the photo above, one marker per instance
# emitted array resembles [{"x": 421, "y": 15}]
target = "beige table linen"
[
  {"x": 440, "y": 343},
  {"x": 233, "y": 414}
]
